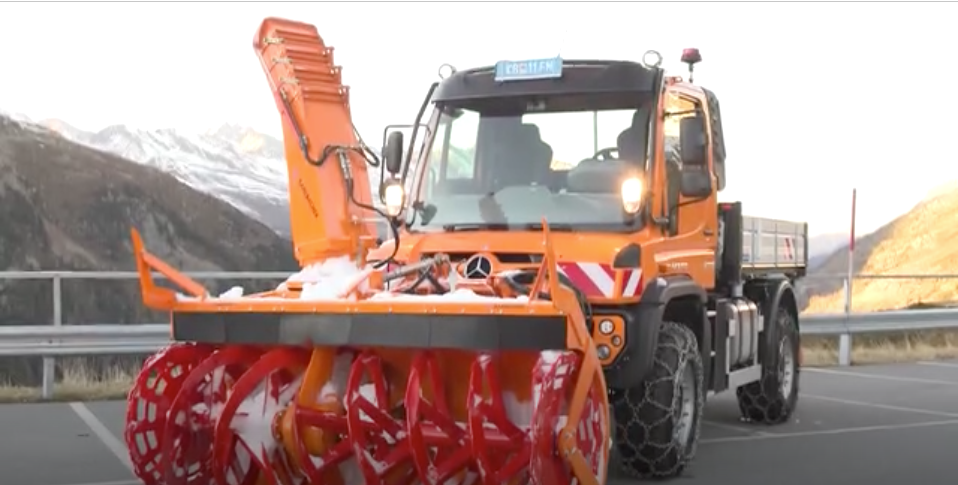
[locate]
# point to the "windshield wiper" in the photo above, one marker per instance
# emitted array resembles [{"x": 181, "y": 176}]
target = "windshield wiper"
[
  {"x": 505, "y": 227},
  {"x": 563, "y": 227},
  {"x": 474, "y": 227}
]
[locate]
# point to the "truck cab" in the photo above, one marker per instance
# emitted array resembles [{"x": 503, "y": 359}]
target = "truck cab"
[{"x": 686, "y": 296}]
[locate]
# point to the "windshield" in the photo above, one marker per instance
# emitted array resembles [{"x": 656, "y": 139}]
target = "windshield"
[{"x": 489, "y": 170}]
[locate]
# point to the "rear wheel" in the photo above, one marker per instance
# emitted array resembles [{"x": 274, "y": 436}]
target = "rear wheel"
[
  {"x": 657, "y": 423},
  {"x": 773, "y": 398}
]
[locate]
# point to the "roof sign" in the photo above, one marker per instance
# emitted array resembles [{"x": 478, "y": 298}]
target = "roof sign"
[{"x": 549, "y": 68}]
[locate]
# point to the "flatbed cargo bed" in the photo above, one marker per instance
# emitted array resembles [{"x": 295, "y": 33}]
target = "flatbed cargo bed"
[{"x": 767, "y": 245}]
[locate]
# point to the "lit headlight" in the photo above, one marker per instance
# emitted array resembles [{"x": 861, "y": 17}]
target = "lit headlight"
[
  {"x": 393, "y": 197},
  {"x": 632, "y": 195}
]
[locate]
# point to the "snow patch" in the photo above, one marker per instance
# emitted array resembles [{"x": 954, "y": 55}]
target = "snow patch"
[
  {"x": 457, "y": 296},
  {"x": 253, "y": 421},
  {"x": 328, "y": 280},
  {"x": 234, "y": 292}
]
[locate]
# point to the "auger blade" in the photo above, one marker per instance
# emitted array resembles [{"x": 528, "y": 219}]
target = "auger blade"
[
  {"x": 187, "y": 439},
  {"x": 555, "y": 381},
  {"x": 438, "y": 445},
  {"x": 149, "y": 401},
  {"x": 500, "y": 447},
  {"x": 387, "y": 418},
  {"x": 379, "y": 440},
  {"x": 249, "y": 414}
]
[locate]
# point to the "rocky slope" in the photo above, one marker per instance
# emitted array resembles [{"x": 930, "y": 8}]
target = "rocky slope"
[
  {"x": 919, "y": 242},
  {"x": 65, "y": 206},
  {"x": 237, "y": 164}
]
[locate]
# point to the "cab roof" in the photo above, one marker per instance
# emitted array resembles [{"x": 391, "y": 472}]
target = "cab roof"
[{"x": 582, "y": 77}]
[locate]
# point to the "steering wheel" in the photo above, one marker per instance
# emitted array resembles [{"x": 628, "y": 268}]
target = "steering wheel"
[{"x": 606, "y": 153}]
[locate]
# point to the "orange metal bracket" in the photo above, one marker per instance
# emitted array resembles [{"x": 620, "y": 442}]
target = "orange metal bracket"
[{"x": 157, "y": 297}]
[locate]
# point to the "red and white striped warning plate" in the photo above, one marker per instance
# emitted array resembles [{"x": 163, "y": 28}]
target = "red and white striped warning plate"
[{"x": 598, "y": 280}]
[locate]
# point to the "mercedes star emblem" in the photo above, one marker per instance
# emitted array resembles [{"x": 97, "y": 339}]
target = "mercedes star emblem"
[{"x": 478, "y": 267}]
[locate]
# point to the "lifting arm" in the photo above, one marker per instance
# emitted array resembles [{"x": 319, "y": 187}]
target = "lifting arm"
[{"x": 329, "y": 194}]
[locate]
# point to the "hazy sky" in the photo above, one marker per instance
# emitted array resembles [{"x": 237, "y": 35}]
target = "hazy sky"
[{"x": 817, "y": 98}]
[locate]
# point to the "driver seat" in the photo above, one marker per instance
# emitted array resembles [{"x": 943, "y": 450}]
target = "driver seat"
[
  {"x": 633, "y": 141},
  {"x": 525, "y": 158}
]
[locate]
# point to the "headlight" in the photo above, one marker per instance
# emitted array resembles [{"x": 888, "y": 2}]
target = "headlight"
[
  {"x": 632, "y": 195},
  {"x": 393, "y": 197},
  {"x": 606, "y": 327}
]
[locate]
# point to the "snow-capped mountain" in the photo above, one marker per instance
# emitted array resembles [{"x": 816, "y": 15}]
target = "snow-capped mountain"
[{"x": 244, "y": 167}]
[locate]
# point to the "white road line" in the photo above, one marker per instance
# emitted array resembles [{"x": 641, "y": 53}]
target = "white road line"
[
  {"x": 111, "y": 442},
  {"x": 915, "y": 380},
  {"x": 825, "y": 432},
  {"x": 889, "y": 407},
  {"x": 731, "y": 427},
  {"x": 950, "y": 365}
]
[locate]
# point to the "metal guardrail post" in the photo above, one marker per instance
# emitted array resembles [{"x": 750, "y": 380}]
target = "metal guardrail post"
[
  {"x": 845, "y": 339},
  {"x": 49, "y": 362}
]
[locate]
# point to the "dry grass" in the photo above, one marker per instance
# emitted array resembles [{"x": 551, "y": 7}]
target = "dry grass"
[
  {"x": 79, "y": 383},
  {"x": 823, "y": 351}
]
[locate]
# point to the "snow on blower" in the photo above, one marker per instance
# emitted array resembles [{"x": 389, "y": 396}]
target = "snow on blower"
[{"x": 520, "y": 307}]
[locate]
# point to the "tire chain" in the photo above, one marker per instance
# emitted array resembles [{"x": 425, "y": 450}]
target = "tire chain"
[
  {"x": 649, "y": 458},
  {"x": 761, "y": 402}
]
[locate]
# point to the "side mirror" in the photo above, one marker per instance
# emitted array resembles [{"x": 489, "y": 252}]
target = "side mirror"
[
  {"x": 693, "y": 142},
  {"x": 393, "y": 152}
]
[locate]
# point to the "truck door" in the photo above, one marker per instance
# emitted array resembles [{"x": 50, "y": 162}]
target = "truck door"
[{"x": 691, "y": 214}]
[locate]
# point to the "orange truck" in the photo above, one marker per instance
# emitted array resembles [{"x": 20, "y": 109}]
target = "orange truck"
[{"x": 561, "y": 285}]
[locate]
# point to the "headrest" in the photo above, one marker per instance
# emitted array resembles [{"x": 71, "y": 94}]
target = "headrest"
[
  {"x": 641, "y": 117},
  {"x": 529, "y": 131}
]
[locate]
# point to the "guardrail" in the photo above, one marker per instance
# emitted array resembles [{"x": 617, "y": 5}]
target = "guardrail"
[{"x": 61, "y": 340}]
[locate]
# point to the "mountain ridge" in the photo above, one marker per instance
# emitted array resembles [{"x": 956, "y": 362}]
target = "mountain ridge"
[
  {"x": 67, "y": 206},
  {"x": 236, "y": 163}
]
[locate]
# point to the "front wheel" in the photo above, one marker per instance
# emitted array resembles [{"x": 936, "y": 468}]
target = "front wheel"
[
  {"x": 773, "y": 398},
  {"x": 657, "y": 423}
]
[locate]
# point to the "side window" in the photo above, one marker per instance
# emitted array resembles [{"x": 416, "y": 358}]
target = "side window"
[
  {"x": 718, "y": 138},
  {"x": 452, "y": 155},
  {"x": 459, "y": 158},
  {"x": 676, "y": 108}
]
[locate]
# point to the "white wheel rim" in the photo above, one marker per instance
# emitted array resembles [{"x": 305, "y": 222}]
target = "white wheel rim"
[
  {"x": 787, "y": 367},
  {"x": 685, "y": 410}
]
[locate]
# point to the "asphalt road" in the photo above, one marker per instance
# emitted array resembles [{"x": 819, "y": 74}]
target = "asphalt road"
[{"x": 876, "y": 425}]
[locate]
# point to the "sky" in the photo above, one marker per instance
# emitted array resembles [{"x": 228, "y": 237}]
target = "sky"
[{"x": 817, "y": 98}]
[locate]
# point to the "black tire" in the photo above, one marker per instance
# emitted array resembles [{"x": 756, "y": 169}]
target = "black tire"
[
  {"x": 768, "y": 401},
  {"x": 645, "y": 418}
]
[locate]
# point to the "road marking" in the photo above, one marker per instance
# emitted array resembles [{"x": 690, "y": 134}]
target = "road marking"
[
  {"x": 950, "y": 365},
  {"x": 110, "y": 441},
  {"x": 915, "y": 380},
  {"x": 737, "y": 429},
  {"x": 889, "y": 407},
  {"x": 824, "y": 432}
]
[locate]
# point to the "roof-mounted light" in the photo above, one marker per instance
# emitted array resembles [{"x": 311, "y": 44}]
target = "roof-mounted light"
[
  {"x": 652, "y": 59},
  {"x": 446, "y": 70},
  {"x": 691, "y": 57}
]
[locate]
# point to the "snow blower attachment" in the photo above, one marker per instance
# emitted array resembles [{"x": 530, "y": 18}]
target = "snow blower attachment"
[{"x": 352, "y": 372}]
